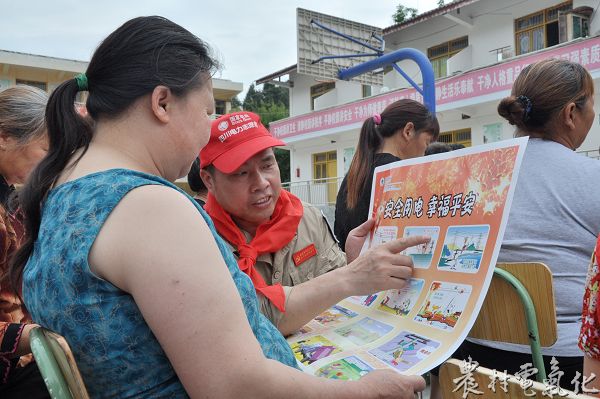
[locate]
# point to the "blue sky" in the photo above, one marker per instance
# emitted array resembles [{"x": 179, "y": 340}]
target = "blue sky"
[{"x": 251, "y": 38}]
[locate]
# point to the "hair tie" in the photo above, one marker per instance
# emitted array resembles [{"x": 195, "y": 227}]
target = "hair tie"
[
  {"x": 377, "y": 119},
  {"x": 526, "y": 102},
  {"x": 82, "y": 82}
]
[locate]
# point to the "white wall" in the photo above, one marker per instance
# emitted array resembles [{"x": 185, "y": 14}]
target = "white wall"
[
  {"x": 493, "y": 27},
  {"x": 300, "y": 93},
  {"x": 344, "y": 92}
]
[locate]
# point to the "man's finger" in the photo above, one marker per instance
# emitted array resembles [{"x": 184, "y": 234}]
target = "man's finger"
[
  {"x": 401, "y": 244},
  {"x": 417, "y": 382},
  {"x": 363, "y": 229}
]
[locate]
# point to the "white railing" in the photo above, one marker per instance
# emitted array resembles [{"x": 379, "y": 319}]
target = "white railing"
[
  {"x": 595, "y": 154},
  {"x": 316, "y": 192}
]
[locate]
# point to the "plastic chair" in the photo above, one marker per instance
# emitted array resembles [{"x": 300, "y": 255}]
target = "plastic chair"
[
  {"x": 453, "y": 380},
  {"x": 57, "y": 365},
  {"x": 522, "y": 293}
]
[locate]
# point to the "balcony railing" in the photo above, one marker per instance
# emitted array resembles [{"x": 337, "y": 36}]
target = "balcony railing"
[
  {"x": 595, "y": 154},
  {"x": 316, "y": 192}
]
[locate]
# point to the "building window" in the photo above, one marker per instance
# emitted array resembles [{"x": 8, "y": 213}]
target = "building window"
[
  {"x": 325, "y": 172},
  {"x": 366, "y": 91},
  {"x": 220, "y": 107},
  {"x": 461, "y": 136},
  {"x": 39, "y": 85},
  {"x": 539, "y": 30},
  {"x": 322, "y": 165},
  {"x": 440, "y": 54},
  {"x": 318, "y": 90}
]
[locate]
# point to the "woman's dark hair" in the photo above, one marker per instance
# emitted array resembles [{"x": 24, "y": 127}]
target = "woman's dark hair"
[
  {"x": 193, "y": 178},
  {"x": 541, "y": 91},
  {"x": 393, "y": 118},
  {"x": 140, "y": 55}
]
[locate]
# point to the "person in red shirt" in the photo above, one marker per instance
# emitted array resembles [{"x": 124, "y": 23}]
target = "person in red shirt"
[
  {"x": 23, "y": 143},
  {"x": 589, "y": 337}
]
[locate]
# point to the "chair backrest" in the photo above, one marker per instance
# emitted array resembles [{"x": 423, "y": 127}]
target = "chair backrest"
[
  {"x": 57, "y": 365},
  {"x": 502, "y": 304},
  {"x": 452, "y": 376}
]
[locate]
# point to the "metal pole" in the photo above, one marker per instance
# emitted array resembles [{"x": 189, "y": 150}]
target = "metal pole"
[
  {"x": 390, "y": 59},
  {"x": 532, "y": 326}
]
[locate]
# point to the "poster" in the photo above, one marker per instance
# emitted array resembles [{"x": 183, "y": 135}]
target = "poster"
[
  {"x": 461, "y": 199},
  {"x": 492, "y": 133}
]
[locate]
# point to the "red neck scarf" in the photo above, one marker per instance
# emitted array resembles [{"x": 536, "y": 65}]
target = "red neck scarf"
[{"x": 270, "y": 237}]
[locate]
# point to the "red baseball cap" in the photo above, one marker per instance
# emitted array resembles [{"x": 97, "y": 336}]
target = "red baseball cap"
[{"x": 235, "y": 138}]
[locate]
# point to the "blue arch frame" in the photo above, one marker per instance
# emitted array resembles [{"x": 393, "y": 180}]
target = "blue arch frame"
[
  {"x": 428, "y": 90},
  {"x": 383, "y": 60}
]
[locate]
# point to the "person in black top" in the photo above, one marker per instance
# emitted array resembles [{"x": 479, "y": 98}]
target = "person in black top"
[
  {"x": 196, "y": 183},
  {"x": 403, "y": 130}
]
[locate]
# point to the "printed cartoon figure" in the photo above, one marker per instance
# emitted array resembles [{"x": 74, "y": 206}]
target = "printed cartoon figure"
[
  {"x": 405, "y": 350},
  {"x": 400, "y": 302},
  {"x": 370, "y": 299},
  {"x": 404, "y": 307},
  {"x": 326, "y": 317},
  {"x": 463, "y": 248},
  {"x": 335, "y": 315},
  {"x": 310, "y": 350},
  {"x": 364, "y": 331},
  {"x": 350, "y": 368},
  {"x": 402, "y": 348},
  {"x": 444, "y": 305},
  {"x": 422, "y": 254}
]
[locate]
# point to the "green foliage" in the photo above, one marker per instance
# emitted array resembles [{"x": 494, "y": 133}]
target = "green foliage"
[
  {"x": 236, "y": 104},
  {"x": 272, "y": 104},
  {"x": 283, "y": 160},
  {"x": 404, "y": 13}
]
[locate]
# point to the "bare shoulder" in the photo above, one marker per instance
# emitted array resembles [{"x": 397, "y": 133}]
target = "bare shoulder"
[{"x": 151, "y": 227}]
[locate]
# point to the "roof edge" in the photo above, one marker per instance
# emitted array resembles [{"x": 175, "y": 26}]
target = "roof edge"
[
  {"x": 281, "y": 72},
  {"x": 428, "y": 15}
]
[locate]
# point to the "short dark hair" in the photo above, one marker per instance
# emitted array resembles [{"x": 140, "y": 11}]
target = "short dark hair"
[
  {"x": 194, "y": 179},
  {"x": 437, "y": 148}
]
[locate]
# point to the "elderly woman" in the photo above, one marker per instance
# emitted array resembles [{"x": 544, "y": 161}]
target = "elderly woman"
[
  {"x": 23, "y": 142},
  {"x": 554, "y": 217}
]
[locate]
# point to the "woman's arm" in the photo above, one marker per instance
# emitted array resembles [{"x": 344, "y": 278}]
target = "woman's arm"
[
  {"x": 156, "y": 246},
  {"x": 592, "y": 366}
]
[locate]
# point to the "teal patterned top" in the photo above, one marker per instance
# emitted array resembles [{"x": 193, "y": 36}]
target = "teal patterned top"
[{"x": 116, "y": 352}]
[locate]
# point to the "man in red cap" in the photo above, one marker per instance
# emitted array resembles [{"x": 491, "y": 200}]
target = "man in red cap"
[{"x": 280, "y": 242}]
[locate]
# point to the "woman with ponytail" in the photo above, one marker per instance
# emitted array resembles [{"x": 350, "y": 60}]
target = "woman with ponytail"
[
  {"x": 127, "y": 267},
  {"x": 403, "y": 130}
]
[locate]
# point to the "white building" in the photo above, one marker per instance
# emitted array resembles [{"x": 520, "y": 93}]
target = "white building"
[
  {"x": 47, "y": 73},
  {"x": 477, "y": 48}
]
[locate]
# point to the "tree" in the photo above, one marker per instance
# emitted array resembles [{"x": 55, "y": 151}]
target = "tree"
[
  {"x": 236, "y": 104},
  {"x": 404, "y": 13},
  {"x": 440, "y": 3},
  {"x": 253, "y": 99}
]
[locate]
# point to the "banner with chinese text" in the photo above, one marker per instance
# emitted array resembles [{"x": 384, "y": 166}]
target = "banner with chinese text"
[{"x": 461, "y": 200}]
